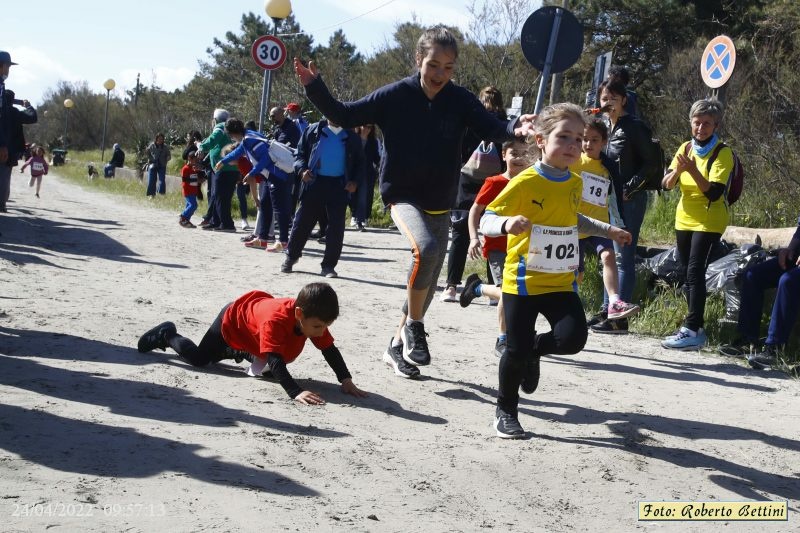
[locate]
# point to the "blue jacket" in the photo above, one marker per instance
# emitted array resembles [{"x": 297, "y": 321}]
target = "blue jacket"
[
  {"x": 256, "y": 147},
  {"x": 307, "y": 157},
  {"x": 287, "y": 133},
  {"x": 422, "y": 138}
]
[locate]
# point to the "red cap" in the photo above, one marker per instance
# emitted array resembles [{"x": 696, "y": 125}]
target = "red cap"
[{"x": 292, "y": 106}]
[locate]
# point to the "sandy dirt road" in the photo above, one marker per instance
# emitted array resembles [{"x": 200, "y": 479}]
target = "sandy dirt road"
[{"x": 97, "y": 437}]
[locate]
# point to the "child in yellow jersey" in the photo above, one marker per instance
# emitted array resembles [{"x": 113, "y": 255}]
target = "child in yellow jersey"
[
  {"x": 597, "y": 199},
  {"x": 538, "y": 211},
  {"x": 702, "y": 213}
]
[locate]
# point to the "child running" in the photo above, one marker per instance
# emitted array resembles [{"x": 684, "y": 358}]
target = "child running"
[
  {"x": 39, "y": 168},
  {"x": 598, "y": 200},
  {"x": 517, "y": 157},
  {"x": 268, "y": 331},
  {"x": 538, "y": 210},
  {"x": 423, "y": 119},
  {"x": 192, "y": 177}
]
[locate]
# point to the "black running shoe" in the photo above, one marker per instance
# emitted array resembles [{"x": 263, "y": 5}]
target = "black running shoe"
[
  {"x": 156, "y": 337},
  {"x": 287, "y": 265},
  {"x": 614, "y": 327},
  {"x": 394, "y": 358},
  {"x": 596, "y": 319},
  {"x": 765, "y": 359},
  {"x": 530, "y": 380},
  {"x": 415, "y": 344},
  {"x": 468, "y": 294},
  {"x": 507, "y": 425}
]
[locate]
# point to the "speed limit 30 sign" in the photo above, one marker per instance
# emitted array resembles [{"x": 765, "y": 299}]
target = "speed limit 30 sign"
[{"x": 268, "y": 52}]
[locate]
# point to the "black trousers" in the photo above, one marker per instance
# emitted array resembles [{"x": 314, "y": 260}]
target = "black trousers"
[
  {"x": 457, "y": 256},
  {"x": 212, "y": 348},
  {"x": 567, "y": 335},
  {"x": 694, "y": 248}
]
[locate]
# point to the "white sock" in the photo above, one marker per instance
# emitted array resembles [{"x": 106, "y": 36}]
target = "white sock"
[
  {"x": 410, "y": 321},
  {"x": 612, "y": 300},
  {"x": 396, "y": 343}
]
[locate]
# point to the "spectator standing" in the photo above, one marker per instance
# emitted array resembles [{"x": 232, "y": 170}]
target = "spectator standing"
[
  {"x": 223, "y": 181},
  {"x": 191, "y": 177},
  {"x": 330, "y": 163},
  {"x": 12, "y": 138},
  {"x": 627, "y": 149},
  {"x": 469, "y": 183},
  {"x": 295, "y": 115},
  {"x": 701, "y": 167},
  {"x": 157, "y": 156},
  {"x": 361, "y": 200}
]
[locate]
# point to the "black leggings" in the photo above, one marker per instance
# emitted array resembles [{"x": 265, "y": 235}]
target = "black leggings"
[
  {"x": 212, "y": 348},
  {"x": 567, "y": 335},
  {"x": 694, "y": 249}
]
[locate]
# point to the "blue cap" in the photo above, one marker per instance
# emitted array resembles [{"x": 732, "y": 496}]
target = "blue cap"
[{"x": 5, "y": 58}]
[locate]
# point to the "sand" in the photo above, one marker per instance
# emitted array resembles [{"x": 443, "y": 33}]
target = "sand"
[{"x": 95, "y": 436}]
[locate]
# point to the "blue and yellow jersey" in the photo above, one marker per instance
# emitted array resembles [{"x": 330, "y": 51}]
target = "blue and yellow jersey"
[{"x": 548, "y": 262}]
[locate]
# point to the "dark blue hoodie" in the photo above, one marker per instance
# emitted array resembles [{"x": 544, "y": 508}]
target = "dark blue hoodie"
[{"x": 422, "y": 137}]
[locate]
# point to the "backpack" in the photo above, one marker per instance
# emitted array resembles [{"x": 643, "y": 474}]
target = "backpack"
[
  {"x": 735, "y": 183},
  {"x": 282, "y": 155},
  {"x": 654, "y": 165},
  {"x": 484, "y": 161}
]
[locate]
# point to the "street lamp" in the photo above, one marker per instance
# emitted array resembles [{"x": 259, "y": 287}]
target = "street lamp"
[
  {"x": 68, "y": 104},
  {"x": 277, "y": 10},
  {"x": 108, "y": 85}
]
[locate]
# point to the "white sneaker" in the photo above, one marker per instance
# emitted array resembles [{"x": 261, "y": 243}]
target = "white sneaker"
[
  {"x": 449, "y": 295},
  {"x": 245, "y": 225},
  {"x": 353, "y": 222}
]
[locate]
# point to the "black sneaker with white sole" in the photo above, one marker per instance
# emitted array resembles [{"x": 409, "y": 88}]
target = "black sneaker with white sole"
[
  {"x": 507, "y": 425},
  {"x": 415, "y": 344},
  {"x": 764, "y": 359},
  {"x": 394, "y": 358}
]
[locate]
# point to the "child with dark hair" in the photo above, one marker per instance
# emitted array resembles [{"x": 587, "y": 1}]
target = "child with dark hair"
[
  {"x": 270, "y": 332},
  {"x": 191, "y": 178}
]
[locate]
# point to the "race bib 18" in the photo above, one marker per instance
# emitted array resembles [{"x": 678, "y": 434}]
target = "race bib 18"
[
  {"x": 553, "y": 249},
  {"x": 595, "y": 189}
]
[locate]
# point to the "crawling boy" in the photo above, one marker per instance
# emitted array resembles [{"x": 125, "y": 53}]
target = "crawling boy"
[{"x": 268, "y": 331}]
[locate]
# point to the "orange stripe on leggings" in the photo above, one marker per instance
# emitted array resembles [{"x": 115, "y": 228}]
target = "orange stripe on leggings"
[{"x": 414, "y": 249}]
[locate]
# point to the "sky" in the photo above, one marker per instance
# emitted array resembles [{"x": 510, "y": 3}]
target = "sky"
[{"x": 96, "y": 40}]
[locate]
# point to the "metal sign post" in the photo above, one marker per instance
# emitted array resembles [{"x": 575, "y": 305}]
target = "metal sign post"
[
  {"x": 717, "y": 63},
  {"x": 269, "y": 53},
  {"x": 560, "y": 50}
]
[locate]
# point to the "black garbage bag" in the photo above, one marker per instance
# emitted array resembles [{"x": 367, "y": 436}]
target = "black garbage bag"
[
  {"x": 665, "y": 265},
  {"x": 725, "y": 275}
]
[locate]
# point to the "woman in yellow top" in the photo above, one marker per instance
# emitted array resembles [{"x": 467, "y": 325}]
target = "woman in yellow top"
[
  {"x": 702, "y": 213},
  {"x": 538, "y": 210}
]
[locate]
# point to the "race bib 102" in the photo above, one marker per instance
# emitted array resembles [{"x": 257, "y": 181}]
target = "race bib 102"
[{"x": 553, "y": 249}]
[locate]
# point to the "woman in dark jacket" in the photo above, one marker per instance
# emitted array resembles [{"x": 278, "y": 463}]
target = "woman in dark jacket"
[
  {"x": 627, "y": 148},
  {"x": 423, "y": 119}
]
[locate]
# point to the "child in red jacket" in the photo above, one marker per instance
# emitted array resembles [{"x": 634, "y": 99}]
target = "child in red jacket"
[
  {"x": 270, "y": 333},
  {"x": 192, "y": 177}
]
